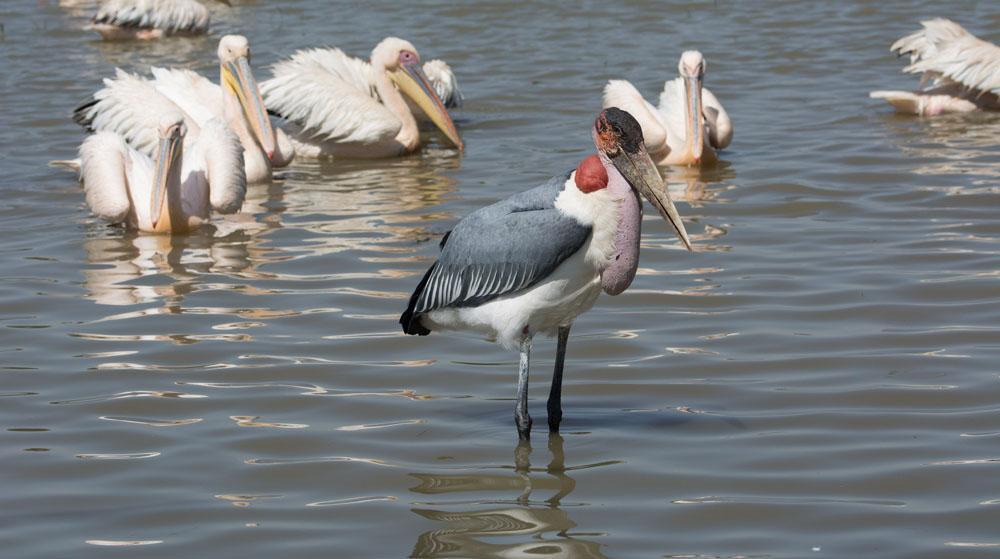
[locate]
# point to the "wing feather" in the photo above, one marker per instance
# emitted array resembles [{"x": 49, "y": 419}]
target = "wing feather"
[
  {"x": 199, "y": 98},
  {"x": 944, "y": 51},
  {"x": 187, "y": 16},
  {"x": 102, "y": 169},
  {"x": 130, "y": 106},
  {"x": 671, "y": 109},
  {"x": 444, "y": 82},
  {"x": 330, "y": 95},
  {"x": 223, "y": 155},
  {"x": 496, "y": 251}
]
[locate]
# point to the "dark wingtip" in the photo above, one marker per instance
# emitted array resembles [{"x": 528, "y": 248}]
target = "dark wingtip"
[
  {"x": 410, "y": 323},
  {"x": 444, "y": 240},
  {"x": 80, "y": 114}
]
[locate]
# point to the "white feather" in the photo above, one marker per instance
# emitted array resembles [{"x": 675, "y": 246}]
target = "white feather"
[
  {"x": 221, "y": 154},
  {"x": 170, "y": 16},
  {"x": 118, "y": 179},
  {"x": 131, "y": 107},
  {"x": 102, "y": 169},
  {"x": 331, "y": 96},
  {"x": 444, "y": 82},
  {"x": 944, "y": 51}
]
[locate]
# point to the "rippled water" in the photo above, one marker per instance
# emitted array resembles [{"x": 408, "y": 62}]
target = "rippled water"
[{"x": 818, "y": 379}]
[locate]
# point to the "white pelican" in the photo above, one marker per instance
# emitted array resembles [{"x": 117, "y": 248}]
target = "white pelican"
[
  {"x": 345, "y": 107},
  {"x": 964, "y": 71},
  {"x": 690, "y": 124},
  {"x": 132, "y": 106},
  {"x": 176, "y": 190},
  {"x": 150, "y": 19},
  {"x": 534, "y": 262}
]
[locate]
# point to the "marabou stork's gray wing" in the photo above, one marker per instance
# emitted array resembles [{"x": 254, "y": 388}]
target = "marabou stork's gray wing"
[{"x": 497, "y": 250}]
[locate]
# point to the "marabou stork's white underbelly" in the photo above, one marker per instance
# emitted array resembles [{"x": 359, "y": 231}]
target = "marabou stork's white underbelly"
[{"x": 557, "y": 300}]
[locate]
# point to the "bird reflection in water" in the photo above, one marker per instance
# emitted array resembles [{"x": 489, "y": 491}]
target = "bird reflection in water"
[
  {"x": 948, "y": 144},
  {"x": 535, "y": 528},
  {"x": 119, "y": 261},
  {"x": 698, "y": 185},
  {"x": 336, "y": 206}
]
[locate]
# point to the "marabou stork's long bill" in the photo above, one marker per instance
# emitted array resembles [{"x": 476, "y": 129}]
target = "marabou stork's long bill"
[{"x": 534, "y": 262}]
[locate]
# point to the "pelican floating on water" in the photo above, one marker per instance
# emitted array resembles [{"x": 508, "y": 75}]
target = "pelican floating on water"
[
  {"x": 346, "y": 107},
  {"x": 534, "y": 262},
  {"x": 964, "y": 71},
  {"x": 175, "y": 191},
  {"x": 131, "y": 106},
  {"x": 150, "y": 19},
  {"x": 690, "y": 123}
]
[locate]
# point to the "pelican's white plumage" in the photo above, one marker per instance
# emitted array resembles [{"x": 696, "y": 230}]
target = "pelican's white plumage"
[
  {"x": 131, "y": 106},
  {"x": 963, "y": 71},
  {"x": 206, "y": 173},
  {"x": 345, "y": 106},
  {"x": 150, "y": 19},
  {"x": 670, "y": 137},
  {"x": 445, "y": 83}
]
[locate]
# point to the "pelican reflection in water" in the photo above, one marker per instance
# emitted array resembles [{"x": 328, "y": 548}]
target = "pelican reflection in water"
[
  {"x": 116, "y": 262},
  {"x": 239, "y": 244},
  {"x": 512, "y": 527}
]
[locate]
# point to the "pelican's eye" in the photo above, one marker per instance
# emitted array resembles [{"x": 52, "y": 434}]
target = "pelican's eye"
[{"x": 408, "y": 57}]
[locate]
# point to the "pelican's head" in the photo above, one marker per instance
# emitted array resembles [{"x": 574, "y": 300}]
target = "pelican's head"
[
  {"x": 691, "y": 65},
  {"x": 237, "y": 78},
  {"x": 166, "y": 166},
  {"x": 400, "y": 61},
  {"x": 692, "y": 70},
  {"x": 618, "y": 138}
]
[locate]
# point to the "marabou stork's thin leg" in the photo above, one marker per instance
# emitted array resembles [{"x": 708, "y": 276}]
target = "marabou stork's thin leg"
[
  {"x": 555, "y": 393},
  {"x": 521, "y": 417}
]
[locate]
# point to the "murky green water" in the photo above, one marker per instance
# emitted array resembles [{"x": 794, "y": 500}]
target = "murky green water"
[{"x": 819, "y": 379}]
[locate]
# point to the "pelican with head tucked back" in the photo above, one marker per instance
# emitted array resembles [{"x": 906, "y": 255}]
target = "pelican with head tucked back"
[
  {"x": 690, "y": 123},
  {"x": 150, "y": 19},
  {"x": 173, "y": 192},
  {"x": 963, "y": 70},
  {"x": 132, "y": 106},
  {"x": 346, "y": 107}
]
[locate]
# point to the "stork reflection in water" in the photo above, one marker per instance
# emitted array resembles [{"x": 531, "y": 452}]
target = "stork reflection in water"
[{"x": 521, "y": 526}]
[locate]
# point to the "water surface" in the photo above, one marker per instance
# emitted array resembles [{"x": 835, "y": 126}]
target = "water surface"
[{"x": 818, "y": 379}]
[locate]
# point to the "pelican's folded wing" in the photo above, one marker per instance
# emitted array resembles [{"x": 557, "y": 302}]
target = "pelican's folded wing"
[
  {"x": 944, "y": 51},
  {"x": 178, "y": 15},
  {"x": 227, "y": 181},
  {"x": 103, "y": 159},
  {"x": 199, "y": 98},
  {"x": 330, "y": 95},
  {"x": 130, "y": 106},
  {"x": 497, "y": 250}
]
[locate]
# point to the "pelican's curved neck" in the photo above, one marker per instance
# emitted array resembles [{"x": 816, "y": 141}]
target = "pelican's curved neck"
[
  {"x": 258, "y": 166},
  {"x": 409, "y": 135}
]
